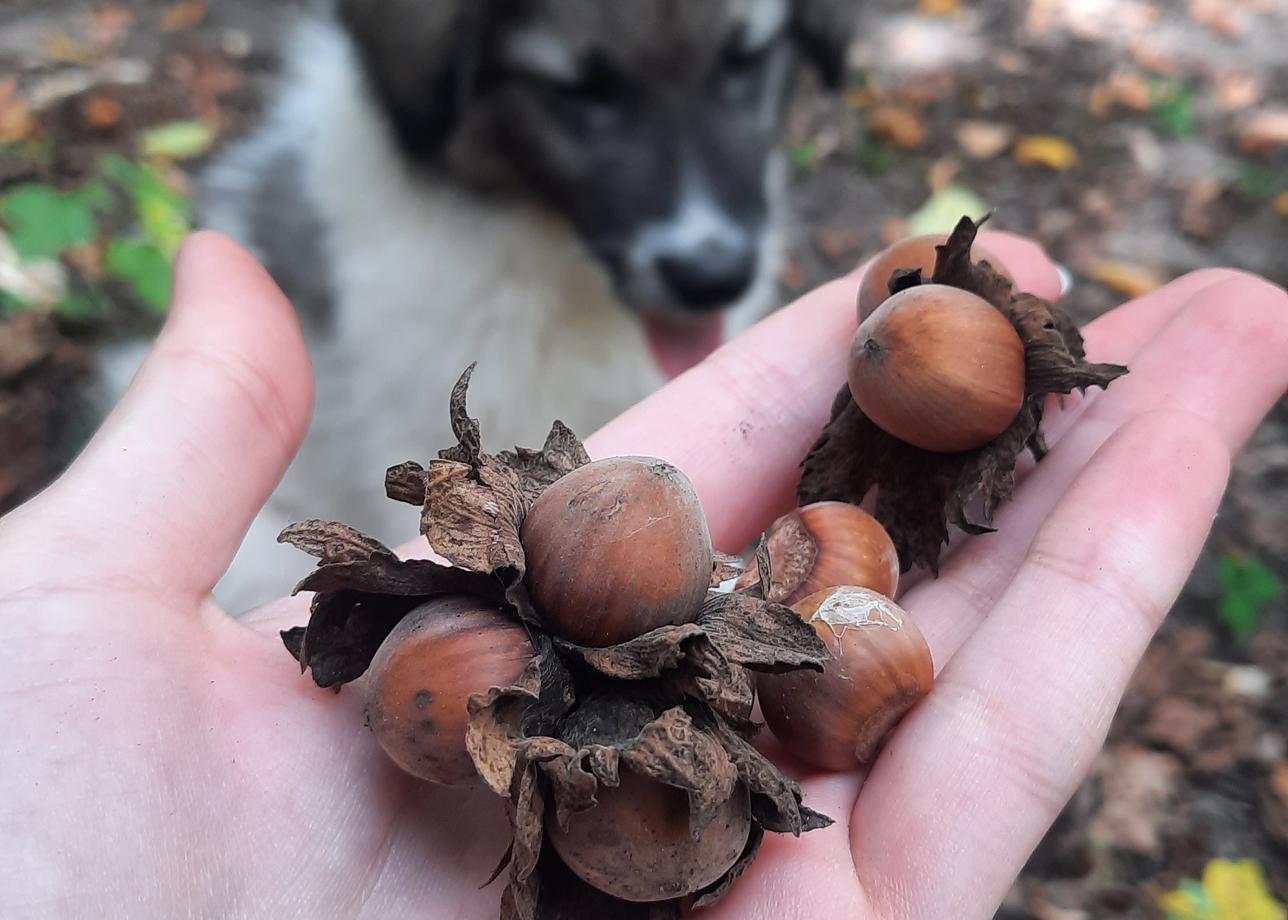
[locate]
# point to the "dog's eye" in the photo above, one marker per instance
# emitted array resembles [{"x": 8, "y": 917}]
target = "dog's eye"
[{"x": 599, "y": 97}]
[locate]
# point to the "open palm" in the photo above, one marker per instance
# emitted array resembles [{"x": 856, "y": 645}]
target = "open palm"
[{"x": 160, "y": 759}]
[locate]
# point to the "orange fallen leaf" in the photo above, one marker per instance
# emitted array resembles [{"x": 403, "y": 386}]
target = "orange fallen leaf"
[
  {"x": 983, "y": 140},
  {"x": 1045, "y": 150},
  {"x": 100, "y": 112},
  {"x": 1126, "y": 88},
  {"x": 17, "y": 123},
  {"x": 1236, "y": 90},
  {"x": 108, "y": 26},
  {"x": 1124, "y": 278},
  {"x": 939, "y": 7},
  {"x": 1263, "y": 131},
  {"x": 1281, "y": 204},
  {"x": 941, "y": 172},
  {"x": 180, "y": 16},
  {"x": 897, "y": 124}
]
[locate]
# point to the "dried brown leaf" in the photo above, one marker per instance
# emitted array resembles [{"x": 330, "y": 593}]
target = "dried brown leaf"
[
  {"x": 538, "y": 469},
  {"x": 760, "y": 635},
  {"x": 643, "y": 657},
  {"x": 406, "y": 483},
  {"x": 775, "y": 797},
  {"x": 344, "y": 631},
  {"x": 725, "y": 568},
  {"x": 720, "y": 887}
]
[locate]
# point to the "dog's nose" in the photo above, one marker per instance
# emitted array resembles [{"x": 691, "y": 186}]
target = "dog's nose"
[{"x": 709, "y": 276}]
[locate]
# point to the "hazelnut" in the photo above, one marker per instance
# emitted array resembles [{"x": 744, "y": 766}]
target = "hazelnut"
[
  {"x": 880, "y": 667},
  {"x": 635, "y": 843},
  {"x": 938, "y": 367},
  {"x": 913, "y": 252},
  {"x": 822, "y": 545},
  {"x": 615, "y": 549},
  {"x": 422, "y": 676}
]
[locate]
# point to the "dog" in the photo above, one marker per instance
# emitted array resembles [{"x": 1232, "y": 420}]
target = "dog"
[{"x": 583, "y": 196}]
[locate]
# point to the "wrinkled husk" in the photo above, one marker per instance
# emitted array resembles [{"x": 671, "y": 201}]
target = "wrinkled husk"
[
  {"x": 673, "y": 705},
  {"x": 919, "y": 493}
]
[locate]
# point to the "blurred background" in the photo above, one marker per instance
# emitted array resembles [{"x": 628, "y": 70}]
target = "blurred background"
[{"x": 1136, "y": 139}]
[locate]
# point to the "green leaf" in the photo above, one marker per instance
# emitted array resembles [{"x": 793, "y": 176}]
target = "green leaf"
[
  {"x": 1256, "y": 181},
  {"x": 944, "y": 209},
  {"x": 11, "y": 305},
  {"x": 143, "y": 268},
  {"x": 803, "y": 158},
  {"x": 43, "y": 221},
  {"x": 80, "y": 306},
  {"x": 178, "y": 140},
  {"x": 875, "y": 158},
  {"x": 1173, "y": 107},
  {"x": 163, "y": 215},
  {"x": 1246, "y": 587}
]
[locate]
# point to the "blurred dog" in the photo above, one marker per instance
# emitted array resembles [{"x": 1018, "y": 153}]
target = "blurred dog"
[{"x": 581, "y": 195}]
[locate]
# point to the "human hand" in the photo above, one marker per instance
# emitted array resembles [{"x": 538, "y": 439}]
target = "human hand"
[{"x": 160, "y": 758}]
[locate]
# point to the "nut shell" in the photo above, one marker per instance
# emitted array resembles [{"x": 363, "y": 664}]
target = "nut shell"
[
  {"x": 880, "y": 668},
  {"x": 913, "y": 252},
  {"x": 823, "y": 545},
  {"x": 424, "y": 673},
  {"x": 635, "y": 843},
  {"x": 615, "y": 549},
  {"x": 938, "y": 367}
]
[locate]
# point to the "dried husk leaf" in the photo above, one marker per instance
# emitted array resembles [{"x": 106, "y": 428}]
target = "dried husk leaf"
[
  {"x": 919, "y": 493},
  {"x": 760, "y": 635},
  {"x": 775, "y": 797},
  {"x": 725, "y": 568},
  {"x": 344, "y": 631},
  {"x": 538, "y": 469}
]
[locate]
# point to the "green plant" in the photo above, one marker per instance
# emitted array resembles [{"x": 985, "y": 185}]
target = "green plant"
[
  {"x": 1172, "y": 102},
  {"x": 874, "y": 157},
  {"x": 1246, "y": 586}
]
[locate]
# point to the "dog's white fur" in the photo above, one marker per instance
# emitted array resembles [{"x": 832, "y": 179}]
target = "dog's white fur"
[{"x": 428, "y": 278}]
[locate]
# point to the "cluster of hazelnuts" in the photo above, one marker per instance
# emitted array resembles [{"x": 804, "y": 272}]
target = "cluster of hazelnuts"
[{"x": 607, "y": 570}]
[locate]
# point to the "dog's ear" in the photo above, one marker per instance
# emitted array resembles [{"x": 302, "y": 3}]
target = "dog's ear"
[
  {"x": 422, "y": 59},
  {"x": 823, "y": 28}
]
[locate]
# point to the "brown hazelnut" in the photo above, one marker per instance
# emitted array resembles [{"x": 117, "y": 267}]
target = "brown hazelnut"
[
  {"x": 424, "y": 673},
  {"x": 635, "y": 843},
  {"x": 615, "y": 549},
  {"x": 913, "y": 252},
  {"x": 938, "y": 367},
  {"x": 822, "y": 545},
  {"x": 880, "y": 667}
]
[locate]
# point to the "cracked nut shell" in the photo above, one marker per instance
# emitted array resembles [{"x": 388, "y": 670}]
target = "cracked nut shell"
[{"x": 880, "y": 668}]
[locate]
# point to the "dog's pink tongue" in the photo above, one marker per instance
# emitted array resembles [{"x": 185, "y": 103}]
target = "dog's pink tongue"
[{"x": 677, "y": 347}]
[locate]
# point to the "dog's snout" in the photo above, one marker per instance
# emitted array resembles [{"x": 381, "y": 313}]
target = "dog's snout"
[{"x": 711, "y": 275}]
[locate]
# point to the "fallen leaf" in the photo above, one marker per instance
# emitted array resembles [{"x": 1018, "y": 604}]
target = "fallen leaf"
[
  {"x": 1179, "y": 724},
  {"x": 1281, "y": 204},
  {"x": 1263, "y": 131},
  {"x": 180, "y": 16},
  {"x": 1218, "y": 16},
  {"x": 1138, "y": 787},
  {"x": 790, "y": 274},
  {"x": 100, "y": 113},
  {"x": 1229, "y": 891},
  {"x": 939, "y": 7},
  {"x": 64, "y": 49},
  {"x": 1234, "y": 90},
  {"x": 1124, "y": 278},
  {"x": 16, "y": 120},
  {"x": 1044, "y": 150},
  {"x": 898, "y": 124},
  {"x": 1197, "y": 217},
  {"x": 983, "y": 140},
  {"x": 944, "y": 209},
  {"x": 943, "y": 171},
  {"x": 108, "y": 26},
  {"x": 178, "y": 140},
  {"x": 1126, "y": 88}
]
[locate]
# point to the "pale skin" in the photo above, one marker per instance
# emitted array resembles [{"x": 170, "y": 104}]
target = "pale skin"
[{"x": 160, "y": 759}]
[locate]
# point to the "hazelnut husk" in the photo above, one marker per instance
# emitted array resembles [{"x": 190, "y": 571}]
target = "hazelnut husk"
[
  {"x": 422, "y": 676},
  {"x": 822, "y": 545},
  {"x": 938, "y": 367},
  {"x": 593, "y": 540},
  {"x": 920, "y": 492},
  {"x": 643, "y": 732},
  {"x": 914, "y": 253},
  {"x": 880, "y": 668}
]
